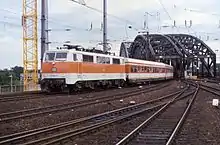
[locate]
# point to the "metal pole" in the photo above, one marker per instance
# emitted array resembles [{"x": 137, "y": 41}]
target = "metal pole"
[
  {"x": 147, "y": 23},
  {"x": 105, "y": 25},
  {"x": 44, "y": 27},
  {"x": 11, "y": 83},
  {"x": 126, "y": 31}
]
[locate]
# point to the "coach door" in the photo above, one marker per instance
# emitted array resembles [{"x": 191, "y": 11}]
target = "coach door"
[
  {"x": 78, "y": 59},
  {"x": 122, "y": 62},
  {"x": 166, "y": 71}
]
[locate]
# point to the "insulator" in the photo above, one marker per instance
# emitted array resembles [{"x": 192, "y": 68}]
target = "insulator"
[
  {"x": 174, "y": 23},
  {"x": 145, "y": 24},
  {"x": 190, "y": 23},
  {"x": 207, "y": 38}
]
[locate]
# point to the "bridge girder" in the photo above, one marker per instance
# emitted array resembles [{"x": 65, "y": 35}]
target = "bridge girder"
[{"x": 182, "y": 50}]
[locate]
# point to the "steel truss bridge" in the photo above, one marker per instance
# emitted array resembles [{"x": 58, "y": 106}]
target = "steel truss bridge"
[{"x": 183, "y": 51}]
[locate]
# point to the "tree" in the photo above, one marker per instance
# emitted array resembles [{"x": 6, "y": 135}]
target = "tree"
[
  {"x": 17, "y": 70},
  {"x": 14, "y": 71}
]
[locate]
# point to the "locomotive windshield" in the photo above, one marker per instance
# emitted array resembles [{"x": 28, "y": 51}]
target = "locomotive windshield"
[
  {"x": 49, "y": 56},
  {"x": 52, "y": 56},
  {"x": 61, "y": 56}
]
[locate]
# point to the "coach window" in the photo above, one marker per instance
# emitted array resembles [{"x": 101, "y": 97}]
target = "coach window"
[
  {"x": 134, "y": 68},
  {"x": 100, "y": 60},
  {"x": 146, "y": 69},
  {"x": 138, "y": 68},
  {"x": 116, "y": 61},
  {"x": 143, "y": 69},
  {"x": 49, "y": 56},
  {"x": 151, "y": 69},
  {"x": 61, "y": 56},
  {"x": 87, "y": 58},
  {"x": 159, "y": 70},
  {"x": 155, "y": 70}
]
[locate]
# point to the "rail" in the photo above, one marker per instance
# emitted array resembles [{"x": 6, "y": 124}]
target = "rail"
[
  {"x": 180, "y": 123},
  {"x": 103, "y": 120},
  {"x": 12, "y": 116},
  {"x": 128, "y": 138}
]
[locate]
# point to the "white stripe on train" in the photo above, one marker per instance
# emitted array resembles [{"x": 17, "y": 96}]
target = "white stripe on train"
[{"x": 72, "y": 78}]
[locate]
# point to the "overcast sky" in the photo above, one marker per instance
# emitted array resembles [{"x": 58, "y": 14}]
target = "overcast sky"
[{"x": 63, "y": 14}]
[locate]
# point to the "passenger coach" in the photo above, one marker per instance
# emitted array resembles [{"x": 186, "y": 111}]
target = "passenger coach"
[{"x": 141, "y": 70}]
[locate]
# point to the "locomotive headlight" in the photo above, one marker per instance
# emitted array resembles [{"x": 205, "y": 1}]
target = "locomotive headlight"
[{"x": 54, "y": 69}]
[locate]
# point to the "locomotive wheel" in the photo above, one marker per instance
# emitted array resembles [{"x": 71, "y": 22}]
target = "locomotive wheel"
[
  {"x": 122, "y": 83},
  {"x": 92, "y": 85}
]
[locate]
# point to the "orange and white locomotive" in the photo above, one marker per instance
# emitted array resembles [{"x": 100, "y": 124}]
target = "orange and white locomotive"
[{"x": 76, "y": 68}]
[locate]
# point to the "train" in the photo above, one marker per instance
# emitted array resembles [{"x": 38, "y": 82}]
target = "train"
[{"x": 73, "y": 68}]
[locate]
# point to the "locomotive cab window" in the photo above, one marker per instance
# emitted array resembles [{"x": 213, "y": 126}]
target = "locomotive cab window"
[
  {"x": 61, "y": 56},
  {"x": 49, "y": 56},
  {"x": 87, "y": 58}
]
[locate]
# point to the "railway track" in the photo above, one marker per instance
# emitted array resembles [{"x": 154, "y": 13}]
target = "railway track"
[
  {"x": 33, "y": 95},
  {"x": 13, "y": 116},
  {"x": 61, "y": 132},
  {"x": 208, "y": 88},
  {"x": 27, "y": 96},
  {"x": 163, "y": 125},
  {"x": 202, "y": 127},
  {"x": 211, "y": 81},
  {"x": 18, "y": 94}
]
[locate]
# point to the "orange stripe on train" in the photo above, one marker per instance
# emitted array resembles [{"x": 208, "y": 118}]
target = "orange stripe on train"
[{"x": 79, "y": 67}]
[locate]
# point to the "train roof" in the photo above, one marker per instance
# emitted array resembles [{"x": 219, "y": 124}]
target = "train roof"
[
  {"x": 128, "y": 60},
  {"x": 131, "y": 60},
  {"x": 83, "y": 52}
]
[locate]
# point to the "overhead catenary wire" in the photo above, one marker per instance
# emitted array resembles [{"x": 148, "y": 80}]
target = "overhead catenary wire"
[
  {"x": 165, "y": 9},
  {"x": 51, "y": 20},
  {"x": 200, "y": 11},
  {"x": 100, "y": 11}
]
